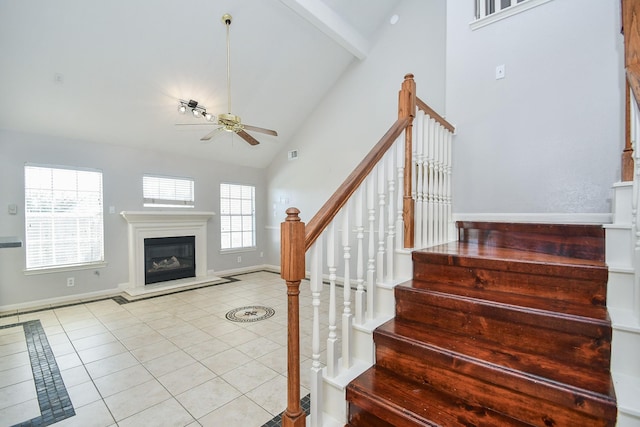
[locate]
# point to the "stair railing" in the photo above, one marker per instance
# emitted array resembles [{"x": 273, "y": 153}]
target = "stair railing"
[{"x": 370, "y": 216}]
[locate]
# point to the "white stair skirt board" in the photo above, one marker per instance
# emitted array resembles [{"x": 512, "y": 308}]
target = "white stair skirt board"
[
  {"x": 619, "y": 245},
  {"x": 622, "y": 202},
  {"x": 334, "y": 391},
  {"x": 620, "y": 288}
]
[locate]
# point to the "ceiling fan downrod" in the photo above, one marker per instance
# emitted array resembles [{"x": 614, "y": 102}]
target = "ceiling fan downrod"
[{"x": 226, "y": 19}]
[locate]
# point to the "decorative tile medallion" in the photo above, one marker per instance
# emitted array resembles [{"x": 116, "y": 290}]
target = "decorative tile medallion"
[{"x": 252, "y": 313}]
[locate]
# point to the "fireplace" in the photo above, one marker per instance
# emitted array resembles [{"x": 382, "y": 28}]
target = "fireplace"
[
  {"x": 143, "y": 226},
  {"x": 169, "y": 258}
]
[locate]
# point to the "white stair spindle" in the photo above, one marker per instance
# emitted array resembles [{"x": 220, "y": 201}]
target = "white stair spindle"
[
  {"x": 400, "y": 196},
  {"x": 371, "y": 210},
  {"x": 316, "y": 367},
  {"x": 359, "y": 298},
  {"x": 431, "y": 187},
  {"x": 347, "y": 316},
  {"x": 390, "y": 158},
  {"x": 419, "y": 171},
  {"x": 427, "y": 128},
  {"x": 382, "y": 202},
  {"x": 450, "y": 225},
  {"x": 332, "y": 340}
]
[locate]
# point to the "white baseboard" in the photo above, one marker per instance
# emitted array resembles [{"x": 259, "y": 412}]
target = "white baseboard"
[
  {"x": 546, "y": 218},
  {"x": 50, "y": 302},
  {"x": 251, "y": 269}
]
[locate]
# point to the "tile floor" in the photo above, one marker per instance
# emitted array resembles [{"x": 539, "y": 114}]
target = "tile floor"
[{"x": 170, "y": 360}]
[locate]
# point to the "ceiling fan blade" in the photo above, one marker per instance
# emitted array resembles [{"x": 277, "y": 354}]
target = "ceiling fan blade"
[
  {"x": 251, "y": 140},
  {"x": 211, "y": 134},
  {"x": 261, "y": 130}
]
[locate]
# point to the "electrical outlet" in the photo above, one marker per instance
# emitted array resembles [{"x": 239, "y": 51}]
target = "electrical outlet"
[
  {"x": 71, "y": 281},
  {"x": 261, "y": 254},
  {"x": 500, "y": 72},
  {"x": 239, "y": 259}
]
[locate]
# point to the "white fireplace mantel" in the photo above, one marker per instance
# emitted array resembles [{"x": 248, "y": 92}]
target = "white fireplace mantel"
[{"x": 145, "y": 225}]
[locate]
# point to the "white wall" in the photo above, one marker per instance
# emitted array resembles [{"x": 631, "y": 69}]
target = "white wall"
[
  {"x": 548, "y": 137},
  {"x": 122, "y": 181},
  {"x": 357, "y": 112}
]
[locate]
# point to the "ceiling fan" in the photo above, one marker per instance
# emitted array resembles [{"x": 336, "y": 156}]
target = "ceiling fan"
[{"x": 230, "y": 122}]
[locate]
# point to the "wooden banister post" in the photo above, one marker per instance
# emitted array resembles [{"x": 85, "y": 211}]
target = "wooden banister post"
[
  {"x": 293, "y": 271},
  {"x": 407, "y": 108}
]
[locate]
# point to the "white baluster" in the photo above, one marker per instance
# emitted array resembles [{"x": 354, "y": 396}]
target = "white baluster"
[
  {"x": 400, "y": 181},
  {"x": 382, "y": 201},
  {"x": 359, "y": 298},
  {"x": 431, "y": 186},
  {"x": 428, "y": 129},
  {"x": 450, "y": 225},
  {"x": 419, "y": 215},
  {"x": 371, "y": 268},
  {"x": 347, "y": 316},
  {"x": 316, "y": 367},
  {"x": 391, "y": 215},
  {"x": 332, "y": 340}
]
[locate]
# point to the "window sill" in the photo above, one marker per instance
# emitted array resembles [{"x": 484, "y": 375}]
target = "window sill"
[
  {"x": 505, "y": 13},
  {"x": 237, "y": 250},
  {"x": 63, "y": 268}
]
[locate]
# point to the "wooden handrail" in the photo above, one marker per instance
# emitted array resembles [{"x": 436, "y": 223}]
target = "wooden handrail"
[
  {"x": 631, "y": 30},
  {"x": 437, "y": 117},
  {"x": 330, "y": 209}
]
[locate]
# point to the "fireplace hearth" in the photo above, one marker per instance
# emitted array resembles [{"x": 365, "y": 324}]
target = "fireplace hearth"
[{"x": 169, "y": 258}]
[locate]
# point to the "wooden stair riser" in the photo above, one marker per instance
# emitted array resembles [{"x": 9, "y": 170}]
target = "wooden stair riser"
[
  {"x": 419, "y": 339},
  {"x": 573, "y": 341},
  {"x": 413, "y": 405},
  {"x": 535, "y": 402},
  {"x": 578, "y": 241},
  {"x": 513, "y": 287}
]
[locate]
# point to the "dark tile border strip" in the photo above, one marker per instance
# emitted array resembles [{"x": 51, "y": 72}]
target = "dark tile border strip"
[
  {"x": 276, "y": 421},
  {"x": 53, "y": 399}
]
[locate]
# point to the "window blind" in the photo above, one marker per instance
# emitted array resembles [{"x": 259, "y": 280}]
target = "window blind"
[
  {"x": 63, "y": 217},
  {"x": 163, "y": 191}
]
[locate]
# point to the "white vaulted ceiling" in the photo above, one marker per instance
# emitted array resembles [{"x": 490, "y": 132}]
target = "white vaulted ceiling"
[{"x": 113, "y": 71}]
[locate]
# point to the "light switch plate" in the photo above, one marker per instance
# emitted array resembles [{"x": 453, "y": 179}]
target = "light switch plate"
[{"x": 13, "y": 209}]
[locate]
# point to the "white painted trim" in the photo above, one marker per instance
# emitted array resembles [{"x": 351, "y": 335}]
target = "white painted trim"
[
  {"x": 505, "y": 13},
  {"x": 251, "y": 269},
  {"x": 550, "y": 218},
  {"x": 330, "y": 23},
  {"x": 49, "y": 303}
]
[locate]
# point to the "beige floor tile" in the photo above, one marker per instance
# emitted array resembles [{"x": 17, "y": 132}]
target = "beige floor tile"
[
  {"x": 238, "y": 412},
  {"x": 258, "y": 347},
  {"x": 206, "y": 348},
  {"x": 14, "y": 360},
  {"x": 249, "y": 376},
  {"x": 83, "y": 394},
  {"x": 186, "y": 378},
  {"x": 62, "y": 348},
  {"x": 226, "y": 361},
  {"x": 100, "y": 352},
  {"x": 153, "y": 351},
  {"x": 164, "y": 414},
  {"x": 116, "y": 382},
  {"x": 111, "y": 364},
  {"x": 189, "y": 339},
  {"x": 95, "y": 414},
  {"x": 136, "y": 399},
  {"x": 207, "y": 397},
  {"x": 138, "y": 329},
  {"x": 75, "y": 376},
  {"x": 169, "y": 363},
  {"x": 15, "y": 375},
  {"x": 238, "y": 337},
  {"x": 94, "y": 341},
  {"x": 12, "y": 348},
  {"x": 67, "y": 361},
  {"x": 11, "y": 335},
  {"x": 19, "y": 413},
  {"x": 276, "y": 360},
  {"x": 17, "y": 393},
  {"x": 137, "y": 341}
]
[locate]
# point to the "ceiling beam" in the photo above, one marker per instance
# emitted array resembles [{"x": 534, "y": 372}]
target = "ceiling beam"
[{"x": 331, "y": 24}]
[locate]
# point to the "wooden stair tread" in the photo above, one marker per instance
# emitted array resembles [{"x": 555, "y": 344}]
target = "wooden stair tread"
[
  {"x": 484, "y": 291},
  {"x": 402, "y": 403},
  {"x": 499, "y": 257},
  {"x": 536, "y": 368}
]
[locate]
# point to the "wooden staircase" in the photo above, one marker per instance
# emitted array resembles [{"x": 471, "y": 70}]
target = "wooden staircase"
[{"x": 506, "y": 327}]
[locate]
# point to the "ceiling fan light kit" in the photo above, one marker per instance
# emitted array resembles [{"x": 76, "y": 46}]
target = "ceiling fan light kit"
[
  {"x": 226, "y": 121},
  {"x": 196, "y": 109}
]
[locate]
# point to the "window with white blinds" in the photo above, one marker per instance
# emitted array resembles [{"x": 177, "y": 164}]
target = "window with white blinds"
[
  {"x": 237, "y": 216},
  {"x": 490, "y": 11},
  {"x": 166, "y": 191},
  {"x": 63, "y": 217}
]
